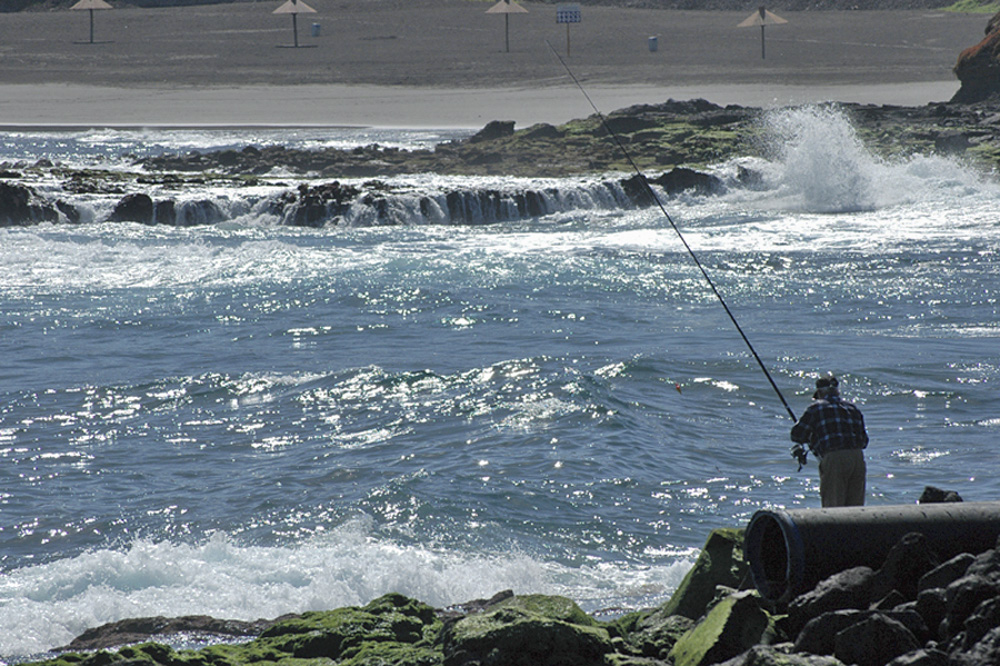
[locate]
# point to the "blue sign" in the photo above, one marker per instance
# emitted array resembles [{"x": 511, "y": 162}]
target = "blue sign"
[{"x": 568, "y": 14}]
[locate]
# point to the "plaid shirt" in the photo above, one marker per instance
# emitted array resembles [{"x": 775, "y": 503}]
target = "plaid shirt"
[{"x": 831, "y": 424}]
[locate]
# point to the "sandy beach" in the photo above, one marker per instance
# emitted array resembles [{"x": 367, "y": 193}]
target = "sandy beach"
[{"x": 443, "y": 63}]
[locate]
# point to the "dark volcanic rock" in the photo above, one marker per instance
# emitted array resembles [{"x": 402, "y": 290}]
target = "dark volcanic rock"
[
  {"x": 874, "y": 642},
  {"x": 165, "y": 212},
  {"x": 904, "y": 566},
  {"x": 682, "y": 179},
  {"x": 932, "y": 495},
  {"x": 136, "y": 630},
  {"x": 20, "y": 206},
  {"x": 963, "y": 597},
  {"x": 932, "y": 606},
  {"x": 819, "y": 634},
  {"x": 495, "y": 129},
  {"x": 850, "y": 589},
  {"x": 317, "y": 206},
  {"x": 133, "y": 208},
  {"x": 946, "y": 573}
]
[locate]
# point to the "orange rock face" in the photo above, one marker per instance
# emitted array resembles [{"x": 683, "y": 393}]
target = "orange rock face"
[{"x": 978, "y": 67}]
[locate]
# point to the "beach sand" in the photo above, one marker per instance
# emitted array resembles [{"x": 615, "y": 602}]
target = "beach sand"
[{"x": 443, "y": 63}]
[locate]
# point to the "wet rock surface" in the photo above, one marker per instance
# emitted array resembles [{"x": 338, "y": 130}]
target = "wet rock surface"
[{"x": 137, "y": 630}]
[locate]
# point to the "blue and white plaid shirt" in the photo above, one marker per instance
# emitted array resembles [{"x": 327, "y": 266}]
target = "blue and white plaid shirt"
[{"x": 831, "y": 424}]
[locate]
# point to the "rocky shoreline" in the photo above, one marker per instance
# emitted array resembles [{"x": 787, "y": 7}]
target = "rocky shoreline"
[
  {"x": 673, "y": 143},
  {"x": 692, "y": 134},
  {"x": 914, "y": 610}
]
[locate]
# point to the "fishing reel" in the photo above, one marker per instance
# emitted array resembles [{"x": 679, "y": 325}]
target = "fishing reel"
[{"x": 799, "y": 453}]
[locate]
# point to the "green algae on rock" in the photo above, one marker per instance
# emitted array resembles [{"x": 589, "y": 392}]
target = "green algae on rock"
[
  {"x": 733, "y": 626},
  {"x": 720, "y": 563},
  {"x": 533, "y": 630}
]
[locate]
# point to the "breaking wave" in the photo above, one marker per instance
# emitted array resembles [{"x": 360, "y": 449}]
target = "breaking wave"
[
  {"x": 46, "y": 606},
  {"x": 818, "y": 163}
]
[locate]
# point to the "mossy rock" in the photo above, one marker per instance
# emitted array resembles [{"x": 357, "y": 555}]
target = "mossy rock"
[
  {"x": 652, "y": 633},
  {"x": 721, "y": 562},
  {"x": 534, "y": 630},
  {"x": 342, "y": 633},
  {"x": 551, "y": 606},
  {"x": 397, "y": 654},
  {"x": 733, "y": 626}
]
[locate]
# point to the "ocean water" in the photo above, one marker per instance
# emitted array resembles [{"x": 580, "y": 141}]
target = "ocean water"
[{"x": 245, "y": 419}]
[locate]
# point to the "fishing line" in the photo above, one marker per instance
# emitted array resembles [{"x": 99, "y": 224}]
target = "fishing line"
[{"x": 694, "y": 257}]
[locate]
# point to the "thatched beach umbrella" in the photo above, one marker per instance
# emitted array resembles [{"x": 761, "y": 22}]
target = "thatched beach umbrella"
[
  {"x": 295, "y": 8},
  {"x": 91, "y": 5},
  {"x": 506, "y": 7},
  {"x": 761, "y": 17}
]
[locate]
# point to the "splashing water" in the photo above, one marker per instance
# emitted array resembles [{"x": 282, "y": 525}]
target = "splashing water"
[{"x": 820, "y": 165}]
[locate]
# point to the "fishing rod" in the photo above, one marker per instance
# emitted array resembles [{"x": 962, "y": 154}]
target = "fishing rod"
[{"x": 694, "y": 257}]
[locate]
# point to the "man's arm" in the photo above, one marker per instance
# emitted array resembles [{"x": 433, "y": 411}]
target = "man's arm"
[{"x": 802, "y": 430}]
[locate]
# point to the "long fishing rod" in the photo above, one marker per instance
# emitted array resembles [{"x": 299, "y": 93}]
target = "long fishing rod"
[{"x": 694, "y": 257}]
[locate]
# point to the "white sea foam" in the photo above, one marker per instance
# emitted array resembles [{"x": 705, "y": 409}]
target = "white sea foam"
[
  {"x": 820, "y": 164},
  {"x": 45, "y": 606}
]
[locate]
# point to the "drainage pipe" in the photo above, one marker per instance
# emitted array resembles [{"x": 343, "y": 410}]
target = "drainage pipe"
[{"x": 789, "y": 552}]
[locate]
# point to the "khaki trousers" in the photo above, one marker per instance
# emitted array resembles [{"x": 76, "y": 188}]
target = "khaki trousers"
[{"x": 842, "y": 478}]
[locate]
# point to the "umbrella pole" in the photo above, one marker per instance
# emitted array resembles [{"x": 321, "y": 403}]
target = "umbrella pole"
[
  {"x": 506, "y": 31},
  {"x": 761, "y": 42},
  {"x": 91, "y": 26},
  {"x": 295, "y": 30}
]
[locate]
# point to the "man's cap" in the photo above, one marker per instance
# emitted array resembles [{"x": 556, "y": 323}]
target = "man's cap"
[
  {"x": 825, "y": 382},
  {"x": 825, "y": 386}
]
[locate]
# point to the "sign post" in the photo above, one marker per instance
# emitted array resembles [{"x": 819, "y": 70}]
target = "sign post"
[{"x": 568, "y": 14}]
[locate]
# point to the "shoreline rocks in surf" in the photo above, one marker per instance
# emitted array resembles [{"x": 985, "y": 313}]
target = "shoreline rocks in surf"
[
  {"x": 371, "y": 203},
  {"x": 677, "y": 140},
  {"x": 914, "y": 609}
]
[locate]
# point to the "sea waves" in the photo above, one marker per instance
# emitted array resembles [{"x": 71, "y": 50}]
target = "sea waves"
[{"x": 44, "y": 606}]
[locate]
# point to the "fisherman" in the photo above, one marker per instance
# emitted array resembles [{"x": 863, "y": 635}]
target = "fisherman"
[{"x": 834, "y": 430}]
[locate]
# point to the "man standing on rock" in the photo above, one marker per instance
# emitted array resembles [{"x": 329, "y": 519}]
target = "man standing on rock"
[{"x": 834, "y": 430}]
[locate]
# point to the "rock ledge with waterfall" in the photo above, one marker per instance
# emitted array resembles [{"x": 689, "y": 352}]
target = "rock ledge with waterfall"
[{"x": 675, "y": 143}]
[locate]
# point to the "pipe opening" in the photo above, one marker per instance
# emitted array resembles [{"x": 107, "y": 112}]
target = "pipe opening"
[{"x": 768, "y": 553}]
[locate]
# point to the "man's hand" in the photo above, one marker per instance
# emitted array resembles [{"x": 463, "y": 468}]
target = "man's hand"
[{"x": 799, "y": 453}]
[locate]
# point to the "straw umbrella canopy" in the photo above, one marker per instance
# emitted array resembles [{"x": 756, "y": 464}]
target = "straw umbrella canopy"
[
  {"x": 761, "y": 17},
  {"x": 295, "y": 8},
  {"x": 506, "y": 7},
  {"x": 91, "y": 5}
]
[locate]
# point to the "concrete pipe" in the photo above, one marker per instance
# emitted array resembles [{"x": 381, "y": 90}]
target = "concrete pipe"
[{"x": 789, "y": 552}]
